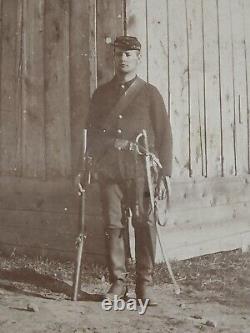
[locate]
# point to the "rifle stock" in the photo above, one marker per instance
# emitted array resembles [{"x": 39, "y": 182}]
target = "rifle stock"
[{"x": 81, "y": 232}]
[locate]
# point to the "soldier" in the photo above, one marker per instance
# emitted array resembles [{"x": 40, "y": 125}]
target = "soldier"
[{"x": 120, "y": 110}]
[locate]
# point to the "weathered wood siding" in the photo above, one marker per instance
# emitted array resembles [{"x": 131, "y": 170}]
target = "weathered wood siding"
[
  {"x": 45, "y": 92},
  {"x": 54, "y": 53},
  {"x": 196, "y": 53}
]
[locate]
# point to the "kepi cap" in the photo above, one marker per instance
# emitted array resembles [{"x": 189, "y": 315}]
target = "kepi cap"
[{"x": 127, "y": 43}]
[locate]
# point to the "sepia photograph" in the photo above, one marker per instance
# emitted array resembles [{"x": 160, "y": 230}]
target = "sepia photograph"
[{"x": 124, "y": 166}]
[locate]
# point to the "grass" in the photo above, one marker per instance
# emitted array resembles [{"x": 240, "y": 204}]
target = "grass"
[{"x": 225, "y": 273}]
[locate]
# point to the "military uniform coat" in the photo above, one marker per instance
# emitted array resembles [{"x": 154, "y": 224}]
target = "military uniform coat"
[{"x": 146, "y": 111}]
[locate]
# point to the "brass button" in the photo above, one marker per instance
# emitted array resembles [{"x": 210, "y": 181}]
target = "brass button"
[
  {"x": 119, "y": 131},
  {"x": 120, "y": 116}
]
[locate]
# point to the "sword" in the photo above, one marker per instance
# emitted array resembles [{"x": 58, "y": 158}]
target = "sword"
[{"x": 147, "y": 154}]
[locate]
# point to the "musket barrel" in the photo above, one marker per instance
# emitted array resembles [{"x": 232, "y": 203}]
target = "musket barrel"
[{"x": 84, "y": 145}]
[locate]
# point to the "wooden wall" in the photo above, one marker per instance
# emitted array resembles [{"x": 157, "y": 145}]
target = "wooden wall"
[
  {"x": 44, "y": 98},
  {"x": 197, "y": 53},
  {"x": 54, "y": 53},
  {"x": 44, "y": 85}
]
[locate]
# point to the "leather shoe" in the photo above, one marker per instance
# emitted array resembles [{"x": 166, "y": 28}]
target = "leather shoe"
[
  {"x": 144, "y": 292},
  {"x": 118, "y": 289}
]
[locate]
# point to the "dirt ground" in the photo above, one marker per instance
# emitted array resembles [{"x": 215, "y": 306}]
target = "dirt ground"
[{"x": 215, "y": 297}]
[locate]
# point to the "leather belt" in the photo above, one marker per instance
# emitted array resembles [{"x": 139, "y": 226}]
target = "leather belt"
[
  {"x": 126, "y": 145},
  {"x": 122, "y": 144}
]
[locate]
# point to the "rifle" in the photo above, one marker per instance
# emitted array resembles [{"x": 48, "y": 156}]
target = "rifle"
[
  {"x": 148, "y": 158},
  {"x": 83, "y": 184}
]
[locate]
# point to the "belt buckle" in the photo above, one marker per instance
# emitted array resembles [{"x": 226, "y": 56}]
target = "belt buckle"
[
  {"x": 121, "y": 144},
  {"x": 131, "y": 146}
]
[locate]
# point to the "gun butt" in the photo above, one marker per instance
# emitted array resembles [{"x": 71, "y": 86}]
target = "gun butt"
[
  {"x": 79, "y": 245},
  {"x": 77, "y": 273}
]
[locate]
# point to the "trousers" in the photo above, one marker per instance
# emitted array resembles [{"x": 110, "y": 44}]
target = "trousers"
[{"x": 116, "y": 195}]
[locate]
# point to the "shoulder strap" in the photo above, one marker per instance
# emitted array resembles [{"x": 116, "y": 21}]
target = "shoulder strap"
[{"x": 124, "y": 101}]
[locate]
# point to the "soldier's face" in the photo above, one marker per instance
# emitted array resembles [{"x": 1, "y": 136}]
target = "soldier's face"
[{"x": 126, "y": 61}]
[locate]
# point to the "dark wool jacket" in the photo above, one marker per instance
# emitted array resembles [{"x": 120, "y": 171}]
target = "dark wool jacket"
[{"x": 145, "y": 111}]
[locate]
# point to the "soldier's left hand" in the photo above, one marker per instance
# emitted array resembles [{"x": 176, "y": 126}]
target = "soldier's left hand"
[{"x": 163, "y": 188}]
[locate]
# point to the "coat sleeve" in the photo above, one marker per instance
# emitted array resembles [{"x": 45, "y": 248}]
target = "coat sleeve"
[{"x": 163, "y": 132}]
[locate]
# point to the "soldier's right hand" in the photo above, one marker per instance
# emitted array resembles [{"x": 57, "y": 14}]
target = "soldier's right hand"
[
  {"x": 78, "y": 184},
  {"x": 80, "y": 189}
]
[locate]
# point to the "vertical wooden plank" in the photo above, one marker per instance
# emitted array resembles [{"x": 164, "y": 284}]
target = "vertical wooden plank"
[
  {"x": 19, "y": 70},
  {"x": 33, "y": 145},
  {"x": 109, "y": 25},
  {"x": 1, "y": 42},
  {"x": 212, "y": 88},
  {"x": 178, "y": 67},
  {"x": 158, "y": 47},
  {"x": 197, "y": 128},
  {"x": 79, "y": 74},
  {"x": 92, "y": 46},
  {"x": 247, "y": 63},
  {"x": 57, "y": 125},
  {"x": 227, "y": 93},
  {"x": 136, "y": 14},
  {"x": 240, "y": 85},
  {"x": 10, "y": 81}
]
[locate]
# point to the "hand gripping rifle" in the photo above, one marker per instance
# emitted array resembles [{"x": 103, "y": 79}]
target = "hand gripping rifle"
[
  {"x": 83, "y": 184},
  {"x": 148, "y": 160}
]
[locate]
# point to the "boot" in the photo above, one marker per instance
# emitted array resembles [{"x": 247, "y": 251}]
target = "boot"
[
  {"x": 145, "y": 247},
  {"x": 117, "y": 265}
]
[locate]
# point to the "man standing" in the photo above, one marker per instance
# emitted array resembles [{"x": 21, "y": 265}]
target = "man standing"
[{"x": 120, "y": 110}]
